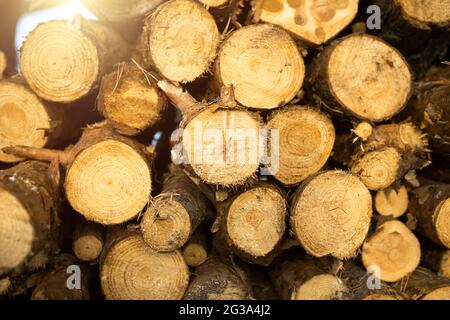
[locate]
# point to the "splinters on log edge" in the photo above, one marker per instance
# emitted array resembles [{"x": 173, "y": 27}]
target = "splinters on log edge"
[
  {"x": 108, "y": 177},
  {"x": 30, "y": 203},
  {"x": 228, "y": 118},
  {"x": 173, "y": 216}
]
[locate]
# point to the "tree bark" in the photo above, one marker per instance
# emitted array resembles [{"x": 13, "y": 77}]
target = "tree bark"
[
  {"x": 29, "y": 204},
  {"x": 174, "y": 215},
  {"x": 100, "y": 169},
  {"x": 437, "y": 259},
  {"x": 425, "y": 285},
  {"x": 359, "y": 285},
  {"x": 429, "y": 109},
  {"x": 220, "y": 142},
  {"x": 87, "y": 240},
  {"x": 55, "y": 283},
  {"x": 29, "y": 121},
  {"x": 196, "y": 250},
  {"x": 384, "y": 156},
  {"x": 297, "y": 277},
  {"x": 218, "y": 279},
  {"x": 430, "y": 205},
  {"x": 410, "y": 24}
]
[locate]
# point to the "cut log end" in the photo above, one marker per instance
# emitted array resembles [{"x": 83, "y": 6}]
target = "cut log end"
[
  {"x": 331, "y": 214},
  {"x": 133, "y": 271},
  {"x": 24, "y": 119},
  {"x": 298, "y": 277},
  {"x": 391, "y": 202},
  {"x": 438, "y": 294},
  {"x": 375, "y": 296},
  {"x": 108, "y": 182},
  {"x": 3, "y": 64},
  {"x": 430, "y": 208},
  {"x": 87, "y": 248},
  {"x": 217, "y": 280},
  {"x": 430, "y": 12},
  {"x": 255, "y": 221},
  {"x": 174, "y": 215},
  {"x": 363, "y": 130},
  {"x": 320, "y": 287},
  {"x": 309, "y": 20},
  {"x": 208, "y": 150},
  {"x": 59, "y": 62},
  {"x": 17, "y": 232},
  {"x": 441, "y": 217},
  {"x": 29, "y": 205},
  {"x": 214, "y": 3},
  {"x": 88, "y": 241},
  {"x": 367, "y": 78},
  {"x": 62, "y": 61},
  {"x": 394, "y": 249},
  {"x": 130, "y": 100},
  {"x": 444, "y": 264},
  {"x": 264, "y": 64},
  {"x": 5, "y": 285},
  {"x": 181, "y": 39},
  {"x": 302, "y": 152},
  {"x": 378, "y": 169},
  {"x": 166, "y": 225},
  {"x": 195, "y": 254},
  {"x": 428, "y": 108}
]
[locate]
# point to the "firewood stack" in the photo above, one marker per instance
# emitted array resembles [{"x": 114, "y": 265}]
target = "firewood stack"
[{"x": 309, "y": 155}]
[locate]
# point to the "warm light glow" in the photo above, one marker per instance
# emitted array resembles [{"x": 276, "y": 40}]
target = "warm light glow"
[{"x": 68, "y": 11}]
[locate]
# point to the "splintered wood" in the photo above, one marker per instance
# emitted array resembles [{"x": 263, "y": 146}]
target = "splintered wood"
[{"x": 227, "y": 150}]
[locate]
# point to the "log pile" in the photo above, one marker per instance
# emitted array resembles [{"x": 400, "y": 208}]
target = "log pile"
[{"x": 309, "y": 156}]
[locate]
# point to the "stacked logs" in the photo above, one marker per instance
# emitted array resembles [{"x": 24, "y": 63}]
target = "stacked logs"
[{"x": 297, "y": 158}]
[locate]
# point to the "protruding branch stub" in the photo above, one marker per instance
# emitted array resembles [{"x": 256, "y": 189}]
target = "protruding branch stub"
[
  {"x": 41, "y": 154},
  {"x": 188, "y": 105},
  {"x": 227, "y": 98},
  {"x": 180, "y": 98},
  {"x": 363, "y": 130}
]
